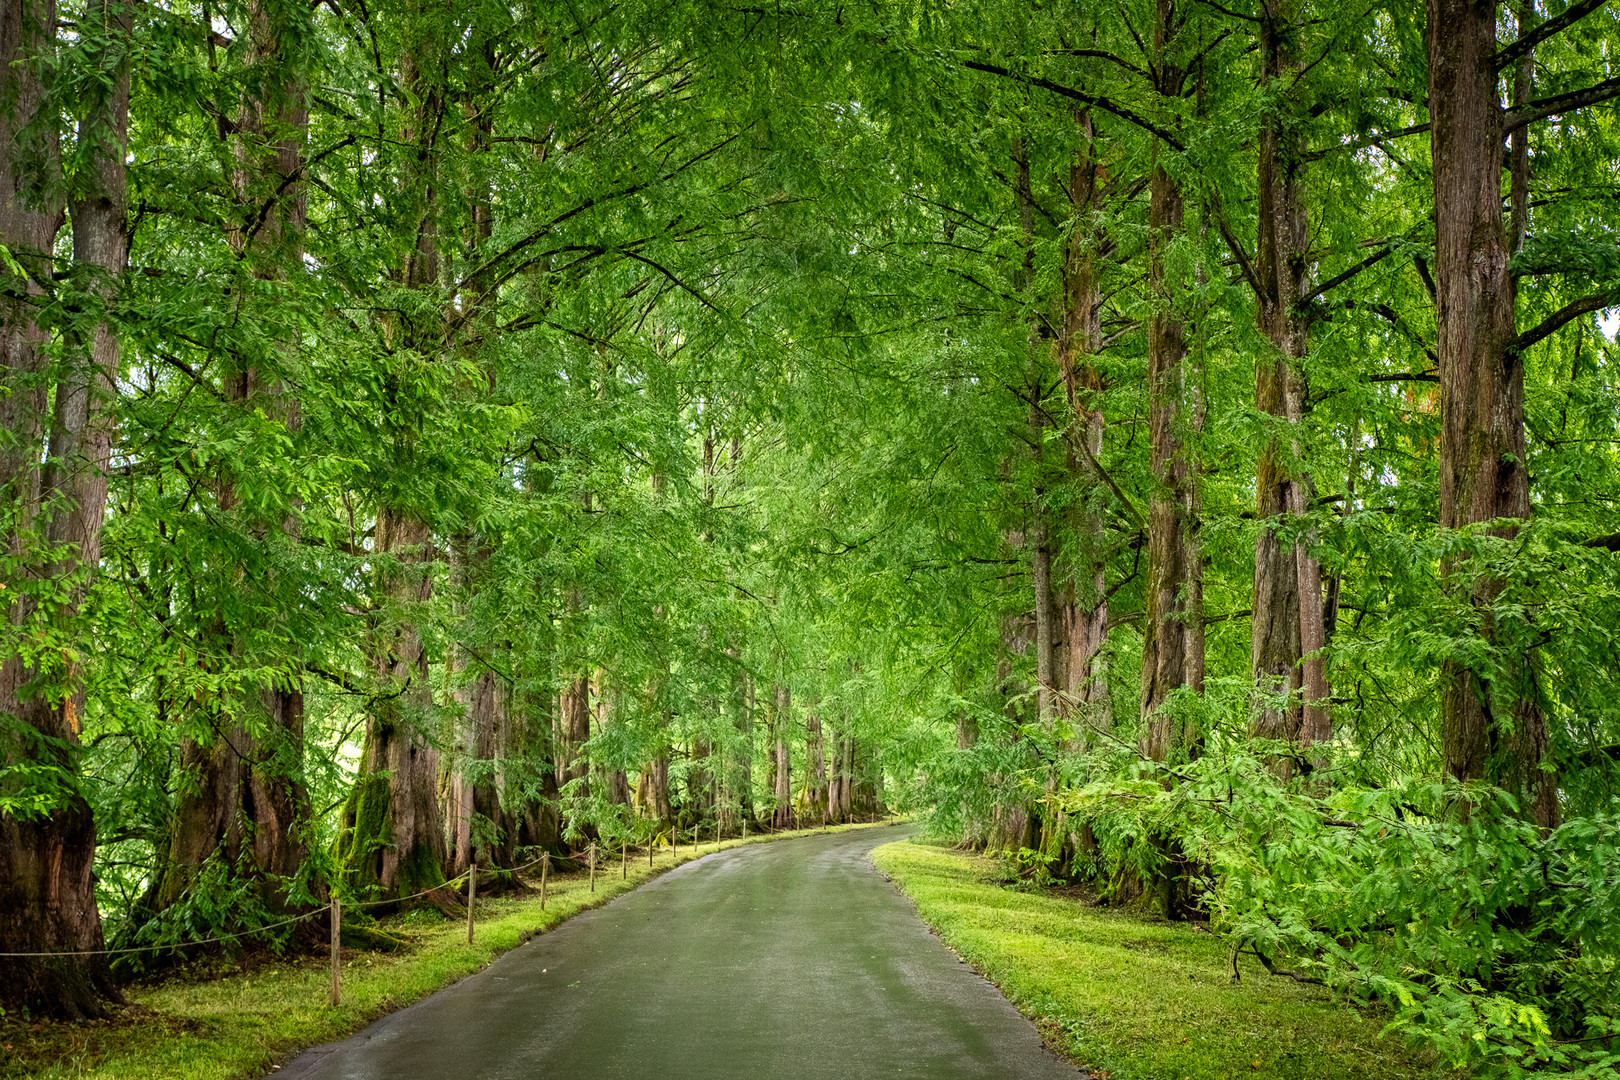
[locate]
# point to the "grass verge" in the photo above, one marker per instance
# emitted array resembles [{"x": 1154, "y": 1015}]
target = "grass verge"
[
  {"x": 1134, "y": 999},
  {"x": 216, "y": 1021}
]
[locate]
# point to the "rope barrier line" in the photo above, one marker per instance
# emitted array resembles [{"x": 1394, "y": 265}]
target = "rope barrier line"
[
  {"x": 182, "y": 945},
  {"x": 323, "y": 909}
]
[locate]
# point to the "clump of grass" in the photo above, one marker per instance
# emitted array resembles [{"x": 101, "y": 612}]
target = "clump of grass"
[
  {"x": 220, "y": 1021},
  {"x": 1138, "y": 999}
]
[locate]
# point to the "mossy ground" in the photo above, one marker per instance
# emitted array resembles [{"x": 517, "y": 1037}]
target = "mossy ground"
[
  {"x": 1137, "y": 999},
  {"x": 218, "y": 1020}
]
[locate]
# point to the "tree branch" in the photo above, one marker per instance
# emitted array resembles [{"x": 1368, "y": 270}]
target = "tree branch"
[
  {"x": 1510, "y": 54},
  {"x": 1090, "y": 99},
  {"x": 1335, "y": 282},
  {"x": 1572, "y": 310},
  {"x": 1369, "y": 140},
  {"x": 1542, "y": 108}
]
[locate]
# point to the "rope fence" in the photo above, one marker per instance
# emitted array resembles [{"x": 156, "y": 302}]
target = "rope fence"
[{"x": 334, "y": 905}]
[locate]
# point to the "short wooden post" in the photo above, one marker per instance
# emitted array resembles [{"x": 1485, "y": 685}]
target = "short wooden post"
[
  {"x": 745, "y": 829},
  {"x": 545, "y": 864},
  {"x": 624, "y": 860},
  {"x": 472, "y": 896},
  {"x": 593, "y": 866},
  {"x": 337, "y": 959},
  {"x": 651, "y": 842}
]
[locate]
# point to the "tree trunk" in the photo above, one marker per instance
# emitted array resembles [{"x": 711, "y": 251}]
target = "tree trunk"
[
  {"x": 576, "y": 731},
  {"x": 391, "y": 837},
  {"x": 784, "y": 763},
  {"x": 1492, "y": 727},
  {"x": 47, "y": 890},
  {"x": 1288, "y": 629},
  {"x": 1172, "y": 630},
  {"x": 1085, "y": 609},
  {"x": 845, "y": 794},
  {"x": 244, "y": 784},
  {"x": 816, "y": 763}
]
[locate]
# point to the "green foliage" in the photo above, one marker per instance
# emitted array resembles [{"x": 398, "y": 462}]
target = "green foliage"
[{"x": 1494, "y": 943}]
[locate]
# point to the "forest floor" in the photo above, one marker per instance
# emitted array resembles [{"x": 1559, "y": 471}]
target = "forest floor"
[
  {"x": 222, "y": 1020},
  {"x": 1134, "y": 998}
]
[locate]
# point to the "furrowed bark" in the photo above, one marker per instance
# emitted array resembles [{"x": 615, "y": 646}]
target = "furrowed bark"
[
  {"x": 1288, "y": 629},
  {"x": 816, "y": 763},
  {"x": 47, "y": 890},
  {"x": 1085, "y": 607},
  {"x": 1492, "y": 728},
  {"x": 1173, "y": 645},
  {"x": 392, "y": 838}
]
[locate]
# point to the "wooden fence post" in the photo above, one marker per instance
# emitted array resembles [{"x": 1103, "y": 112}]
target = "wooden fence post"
[
  {"x": 593, "y": 865},
  {"x": 624, "y": 860},
  {"x": 337, "y": 960},
  {"x": 472, "y": 896},
  {"x": 545, "y": 864}
]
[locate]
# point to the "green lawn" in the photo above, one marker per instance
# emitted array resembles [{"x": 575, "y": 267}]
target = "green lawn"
[
  {"x": 221, "y": 1023},
  {"x": 1138, "y": 999}
]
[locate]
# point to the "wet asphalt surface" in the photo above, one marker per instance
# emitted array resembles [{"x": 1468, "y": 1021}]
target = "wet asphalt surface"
[{"x": 789, "y": 959}]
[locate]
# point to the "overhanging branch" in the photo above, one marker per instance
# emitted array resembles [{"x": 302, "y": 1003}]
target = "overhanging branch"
[
  {"x": 1573, "y": 310},
  {"x": 1511, "y": 54},
  {"x": 1105, "y": 104}
]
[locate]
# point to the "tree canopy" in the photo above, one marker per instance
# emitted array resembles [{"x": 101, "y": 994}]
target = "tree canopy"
[{"x": 1171, "y": 443}]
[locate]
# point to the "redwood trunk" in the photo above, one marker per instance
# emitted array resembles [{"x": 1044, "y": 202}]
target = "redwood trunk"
[
  {"x": 392, "y": 839},
  {"x": 784, "y": 763},
  {"x": 1491, "y": 727},
  {"x": 816, "y": 762},
  {"x": 1288, "y": 629},
  {"x": 47, "y": 888},
  {"x": 1173, "y": 642},
  {"x": 1085, "y": 610}
]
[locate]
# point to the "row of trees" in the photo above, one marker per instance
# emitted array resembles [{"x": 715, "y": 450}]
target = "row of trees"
[{"x": 1170, "y": 444}]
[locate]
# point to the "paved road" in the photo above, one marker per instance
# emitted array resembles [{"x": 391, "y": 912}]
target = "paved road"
[{"x": 791, "y": 959}]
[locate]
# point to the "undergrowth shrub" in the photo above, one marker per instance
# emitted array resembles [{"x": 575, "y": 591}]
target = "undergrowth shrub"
[{"x": 1496, "y": 945}]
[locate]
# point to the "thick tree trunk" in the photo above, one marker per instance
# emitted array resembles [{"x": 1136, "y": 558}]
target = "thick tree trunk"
[
  {"x": 1288, "y": 625},
  {"x": 243, "y": 804},
  {"x": 1172, "y": 646},
  {"x": 1173, "y": 622},
  {"x": 30, "y": 218},
  {"x": 1085, "y": 608},
  {"x": 654, "y": 790},
  {"x": 575, "y": 720},
  {"x": 47, "y": 890},
  {"x": 1492, "y": 727},
  {"x": 477, "y": 827},
  {"x": 528, "y": 737},
  {"x": 845, "y": 793},
  {"x": 392, "y": 839}
]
